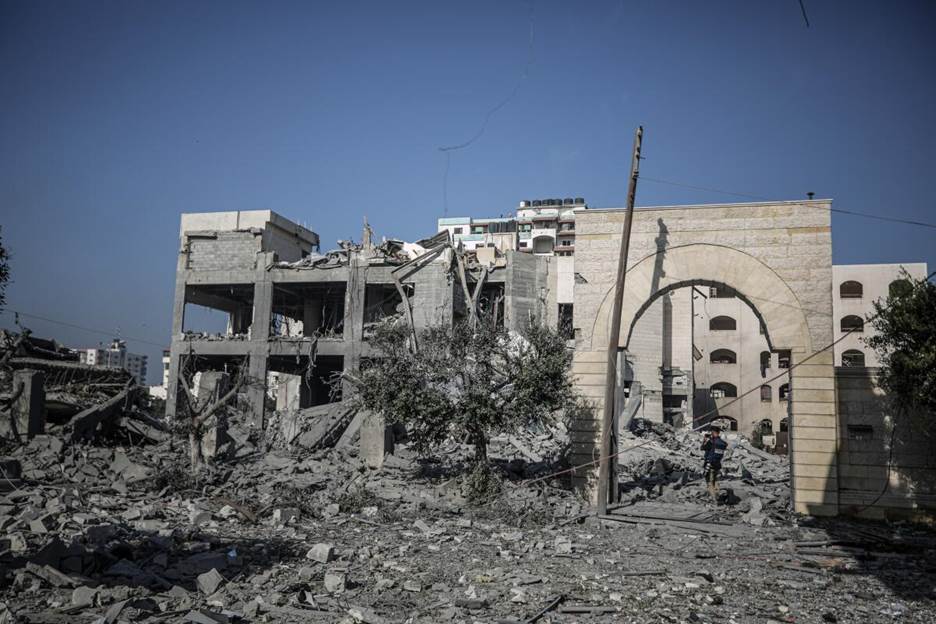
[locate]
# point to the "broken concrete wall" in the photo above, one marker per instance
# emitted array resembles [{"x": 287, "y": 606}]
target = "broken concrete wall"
[{"x": 530, "y": 287}]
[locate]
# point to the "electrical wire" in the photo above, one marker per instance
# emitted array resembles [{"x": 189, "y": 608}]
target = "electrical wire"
[
  {"x": 448, "y": 149},
  {"x": 853, "y": 213},
  {"x": 577, "y": 467},
  {"x": 87, "y": 329}
]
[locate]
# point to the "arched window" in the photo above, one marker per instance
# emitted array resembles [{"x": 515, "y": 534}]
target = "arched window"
[
  {"x": 764, "y": 361},
  {"x": 852, "y": 323},
  {"x": 765, "y": 426},
  {"x": 785, "y": 392},
  {"x": 853, "y": 357},
  {"x": 722, "y": 323},
  {"x": 899, "y": 287},
  {"x": 783, "y": 425},
  {"x": 723, "y": 390},
  {"x": 723, "y": 356},
  {"x": 851, "y": 290},
  {"x": 766, "y": 394}
]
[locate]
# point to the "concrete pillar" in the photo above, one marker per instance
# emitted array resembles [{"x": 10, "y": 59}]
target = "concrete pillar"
[
  {"x": 259, "y": 341},
  {"x": 28, "y": 411},
  {"x": 376, "y": 440},
  {"x": 213, "y": 385},
  {"x": 178, "y": 325}
]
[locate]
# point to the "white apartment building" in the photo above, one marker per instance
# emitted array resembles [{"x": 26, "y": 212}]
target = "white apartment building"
[
  {"x": 855, "y": 288},
  {"x": 540, "y": 226},
  {"x": 116, "y": 356}
]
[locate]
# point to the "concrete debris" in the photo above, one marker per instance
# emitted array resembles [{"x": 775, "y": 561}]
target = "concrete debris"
[
  {"x": 323, "y": 553},
  {"x": 209, "y": 582},
  {"x": 114, "y": 528}
]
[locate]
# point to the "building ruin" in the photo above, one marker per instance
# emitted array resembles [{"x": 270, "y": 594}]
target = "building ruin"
[{"x": 304, "y": 317}]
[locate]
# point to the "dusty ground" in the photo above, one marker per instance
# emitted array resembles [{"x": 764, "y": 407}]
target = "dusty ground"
[{"x": 103, "y": 534}]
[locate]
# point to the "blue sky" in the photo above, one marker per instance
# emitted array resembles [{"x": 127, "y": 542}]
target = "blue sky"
[{"x": 118, "y": 116}]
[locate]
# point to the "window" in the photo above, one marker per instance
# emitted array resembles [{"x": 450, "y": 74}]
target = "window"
[
  {"x": 722, "y": 323},
  {"x": 783, "y": 425},
  {"x": 899, "y": 287},
  {"x": 785, "y": 392},
  {"x": 853, "y": 357},
  {"x": 766, "y": 393},
  {"x": 764, "y": 361},
  {"x": 723, "y": 390},
  {"x": 525, "y": 227},
  {"x": 457, "y": 230},
  {"x": 852, "y": 323},
  {"x": 723, "y": 356},
  {"x": 851, "y": 290},
  {"x": 860, "y": 432},
  {"x": 477, "y": 229},
  {"x": 523, "y": 243},
  {"x": 566, "y": 243},
  {"x": 783, "y": 358}
]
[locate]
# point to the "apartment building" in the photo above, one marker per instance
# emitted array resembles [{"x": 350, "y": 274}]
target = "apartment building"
[
  {"x": 855, "y": 288},
  {"x": 116, "y": 356}
]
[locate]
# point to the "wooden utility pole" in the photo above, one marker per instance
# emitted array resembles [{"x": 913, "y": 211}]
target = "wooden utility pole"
[{"x": 606, "y": 481}]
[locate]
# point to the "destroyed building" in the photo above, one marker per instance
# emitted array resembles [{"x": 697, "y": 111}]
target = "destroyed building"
[{"x": 304, "y": 316}]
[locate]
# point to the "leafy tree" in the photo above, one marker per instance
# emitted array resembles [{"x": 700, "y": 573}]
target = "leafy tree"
[
  {"x": 906, "y": 344},
  {"x": 4, "y": 271},
  {"x": 464, "y": 381}
]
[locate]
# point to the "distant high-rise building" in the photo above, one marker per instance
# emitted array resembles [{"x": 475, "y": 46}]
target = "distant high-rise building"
[{"x": 116, "y": 356}]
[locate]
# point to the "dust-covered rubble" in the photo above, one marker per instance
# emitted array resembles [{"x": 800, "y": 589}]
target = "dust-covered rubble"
[{"x": 120, "y": 533}]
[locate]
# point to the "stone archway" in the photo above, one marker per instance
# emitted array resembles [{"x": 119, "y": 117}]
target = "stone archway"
[{"x": 813, "y": 426}]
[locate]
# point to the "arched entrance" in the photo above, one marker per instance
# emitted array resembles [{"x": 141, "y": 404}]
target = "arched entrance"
[{"x": 785, "y": 326}]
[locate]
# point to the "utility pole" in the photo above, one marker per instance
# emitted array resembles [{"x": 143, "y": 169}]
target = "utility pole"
[{"x": 607, "y": 484}]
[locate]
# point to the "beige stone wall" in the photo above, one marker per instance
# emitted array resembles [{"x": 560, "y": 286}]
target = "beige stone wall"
[
  {"x": 778, "y": 256},
  {"x": 883, "y": 472}
]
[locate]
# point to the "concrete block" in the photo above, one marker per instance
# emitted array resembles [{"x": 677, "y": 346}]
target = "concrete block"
[
  {"x": 28, "y": 411},
  {"x": 212, "y": 386},
  {"x": 376, "y": 440}
]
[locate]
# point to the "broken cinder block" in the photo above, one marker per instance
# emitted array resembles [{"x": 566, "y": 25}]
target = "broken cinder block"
[{"x": 323, "y": 553}]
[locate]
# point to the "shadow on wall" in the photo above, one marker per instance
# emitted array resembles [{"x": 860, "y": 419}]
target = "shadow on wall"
[{"x": 887, "y": 462}]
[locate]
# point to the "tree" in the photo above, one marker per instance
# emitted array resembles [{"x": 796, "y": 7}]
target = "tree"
[
  {"x": 470, "y": 380},
  {"x": 4, "y": 271},
  {"x": 905, "y": 341}
]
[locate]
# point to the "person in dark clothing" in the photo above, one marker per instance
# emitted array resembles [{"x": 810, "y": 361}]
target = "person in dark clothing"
[{"x": 714, "y": 447}]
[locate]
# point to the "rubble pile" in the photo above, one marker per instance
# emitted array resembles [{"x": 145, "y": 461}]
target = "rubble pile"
[
  {"x": 76, "y": 401},
  {"x": 292, "y": 526},
  {"x": 125, "y": 534},
  {"x": 660, "y": 463}
]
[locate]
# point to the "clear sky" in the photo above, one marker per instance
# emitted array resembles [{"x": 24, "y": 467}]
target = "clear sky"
[{"x": 116, "y": 117}]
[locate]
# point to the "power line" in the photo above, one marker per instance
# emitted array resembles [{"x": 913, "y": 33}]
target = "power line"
[
  {"x": 87, "y": 329},
  {"x": 447, "y": 150},
  {"x": 573, "y": 469},
  {"x": 803, "y": 361},
  {"x": 803, "y": 9},
  {"x": 853, "y": 213}
]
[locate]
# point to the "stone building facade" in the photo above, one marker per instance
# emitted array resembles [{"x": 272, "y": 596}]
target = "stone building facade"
[{"x": 777, "y": 257}]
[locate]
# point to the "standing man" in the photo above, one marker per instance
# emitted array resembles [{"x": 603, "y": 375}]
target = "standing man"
[{"x": 714, "y": 447}]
